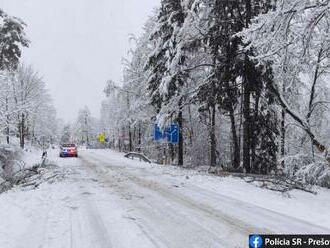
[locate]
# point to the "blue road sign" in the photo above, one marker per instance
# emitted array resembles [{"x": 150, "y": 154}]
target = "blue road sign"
[
  {"x": 171, "y": 134},
  {"x": 158, "y": 133}
]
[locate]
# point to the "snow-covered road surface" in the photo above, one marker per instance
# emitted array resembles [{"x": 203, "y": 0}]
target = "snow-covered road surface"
[{"x": 109, "y": 201}]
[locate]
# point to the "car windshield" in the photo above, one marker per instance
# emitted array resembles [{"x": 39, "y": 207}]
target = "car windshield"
[{"x": 68, "y": 145}]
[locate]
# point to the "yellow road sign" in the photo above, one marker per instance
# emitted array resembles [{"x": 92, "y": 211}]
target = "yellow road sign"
[{"x": 101, "y": 137}]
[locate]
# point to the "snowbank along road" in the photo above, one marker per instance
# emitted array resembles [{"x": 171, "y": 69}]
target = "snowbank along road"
[{"x": 108, "y": 201}]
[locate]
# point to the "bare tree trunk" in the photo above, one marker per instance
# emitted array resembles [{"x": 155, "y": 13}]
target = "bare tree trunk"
[
  {"x": 130, "y": 147},
  {"x": 313, "y": 92},
  {"x": 191, "y": 134},
  {"x": 283, "y": 134},
  {"x": 135, "y": 138},
  {"x": 236, "y": 151},
  {"x": 172, "y": 152},
  {"x": 246, "y": 128},
  {"x": 139, "y": 138},
  {"x": 180, "y": 148},
  {"x": 283, "y": 114},
  {"x": 240, "y": 129},
  {"x": 7, "y": 122},
  {"x": 22, "y": 131},
  {"x": 313, "y": 89},
  {"x": 213, "y": 143},
  {"x": 253, "y": 138},
  {"x": 246, "y": 102}
]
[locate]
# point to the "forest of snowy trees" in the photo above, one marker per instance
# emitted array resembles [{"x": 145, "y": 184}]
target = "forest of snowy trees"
[
  {"x": 27, "y": 116},
  {"x": 246, "y": 81},
  {"x": 26, "y": 110}
]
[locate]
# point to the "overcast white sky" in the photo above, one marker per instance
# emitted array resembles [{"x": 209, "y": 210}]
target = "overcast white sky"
[{"x": 78, "y": 44}]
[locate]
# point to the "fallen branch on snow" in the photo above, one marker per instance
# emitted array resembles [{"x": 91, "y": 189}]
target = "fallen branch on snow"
[{"x": 275, "y": 183}]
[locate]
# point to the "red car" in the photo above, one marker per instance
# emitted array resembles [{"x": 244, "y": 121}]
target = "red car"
[{"x": 68, "y": 150}]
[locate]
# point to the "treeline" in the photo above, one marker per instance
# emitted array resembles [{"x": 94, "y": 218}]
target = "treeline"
[
  {"x": 245, "y": 80},
  {"x": 26, "y": 109}
]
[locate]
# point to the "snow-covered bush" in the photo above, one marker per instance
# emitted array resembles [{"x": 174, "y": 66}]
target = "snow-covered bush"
[
  {"x": 307, "y": 170},
  {"x": 292, "y": 164},
  {"x": 317, "y": 173},
  {"x": 10, "y": 161}
]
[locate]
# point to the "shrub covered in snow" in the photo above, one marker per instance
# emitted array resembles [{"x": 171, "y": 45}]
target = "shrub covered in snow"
[
  {"x": 317, "y": 173},
  {"x": 307, "y": 170},
  {"x": 10, "y": 161}
]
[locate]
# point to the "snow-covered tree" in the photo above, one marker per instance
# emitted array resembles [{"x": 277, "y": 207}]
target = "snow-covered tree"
[
  {"x": 28, "y": 91},
  {"x": 294, "y": 38},
  {"x": 26, "y": 106},
  {"x": 12, "y": 40},
  {"x": 166, "y": 64},
  {"x": 85, "y": 126},
  {"x": 66, "y": 134}
]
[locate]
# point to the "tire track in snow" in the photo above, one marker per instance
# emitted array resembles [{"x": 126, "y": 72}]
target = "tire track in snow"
[
  {"x": 245, "y": 228},
  {"x": 247, "y": 208},
  {"x": 165, "y": 222}
]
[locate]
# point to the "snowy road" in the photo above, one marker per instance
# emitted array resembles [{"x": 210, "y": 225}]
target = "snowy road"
[
  {"x": 163, "y": 214},
  {"x": 108, "y": 201}
]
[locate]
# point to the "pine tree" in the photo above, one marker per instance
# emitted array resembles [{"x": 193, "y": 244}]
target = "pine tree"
[
  {"x": 254, "y": 94},
  {"x": 12, "y": 39},
  {"x": 165, "y": 66},
  {"x": 214, "y": 31},
  {"x": 221, "y": 89}
]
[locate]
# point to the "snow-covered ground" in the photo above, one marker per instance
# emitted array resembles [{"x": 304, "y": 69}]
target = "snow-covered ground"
[{"x": 106, "y": 200}]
